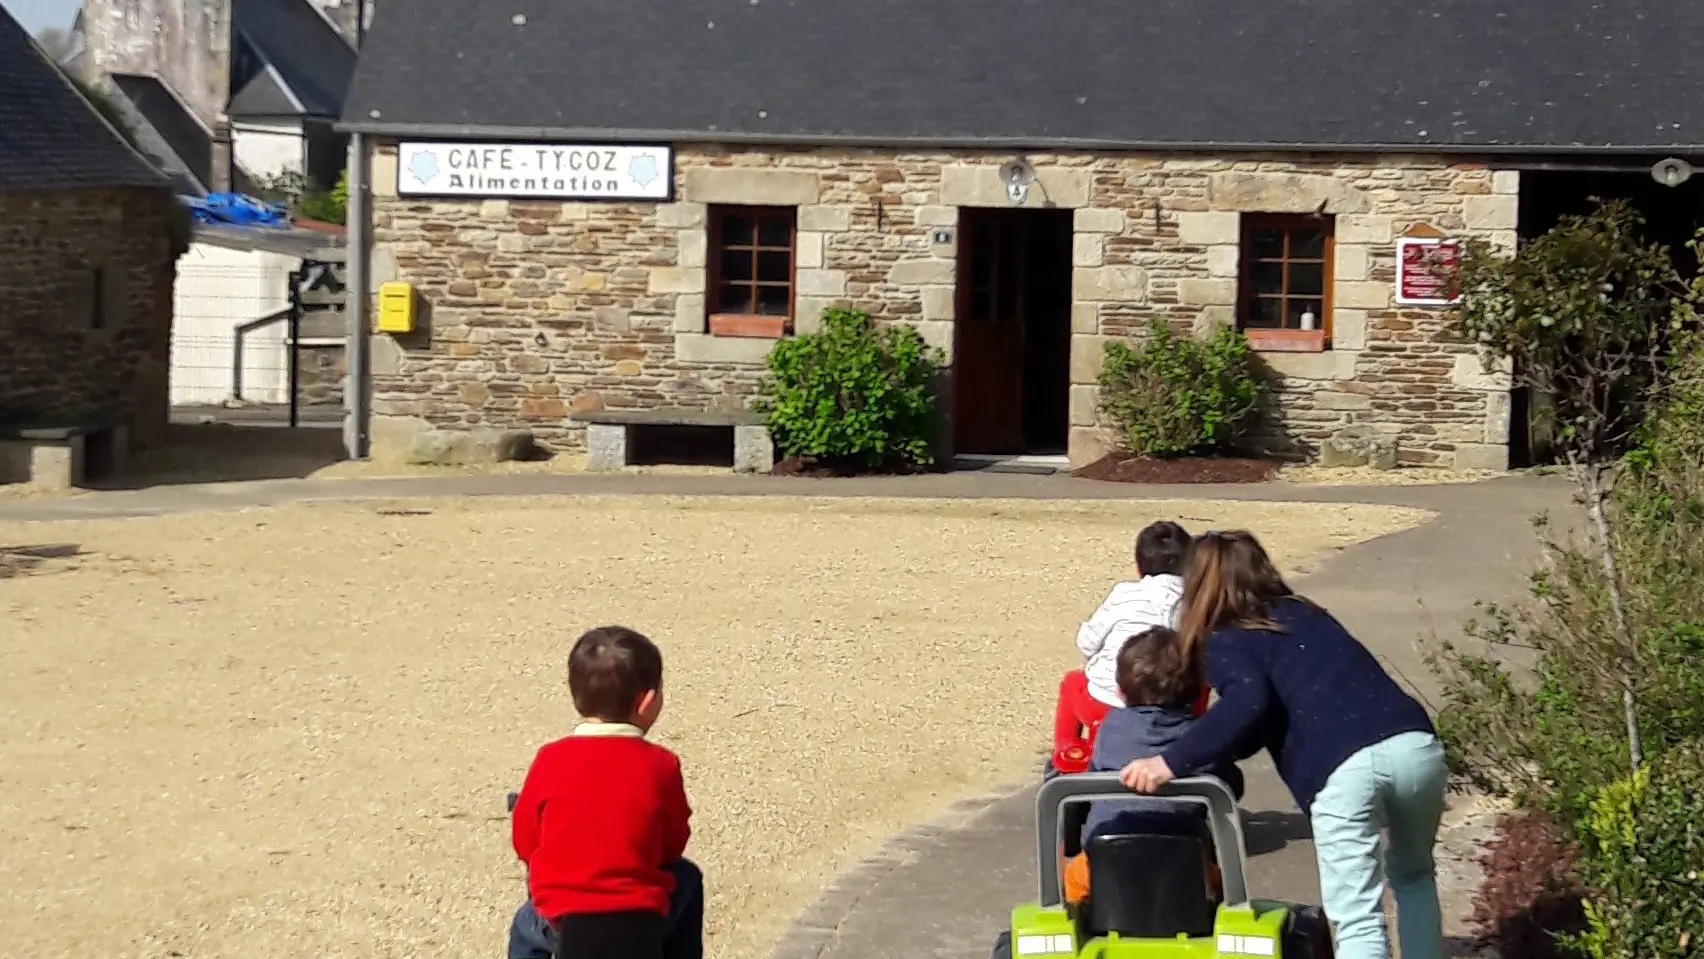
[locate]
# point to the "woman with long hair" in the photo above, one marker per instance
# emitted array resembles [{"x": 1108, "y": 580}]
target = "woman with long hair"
[{"x": 1359, "y": 754}]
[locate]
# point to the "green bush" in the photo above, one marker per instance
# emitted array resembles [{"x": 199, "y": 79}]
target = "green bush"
[
  {"x": 1644, "y": 861},
  {"x": 1174, "y": 396},
  {"x": 1671, "y": 433},
  {"x": 854, "y": 394},
  {"x": 326, "y": 206},
  {"x": 1555, "y": 735}
]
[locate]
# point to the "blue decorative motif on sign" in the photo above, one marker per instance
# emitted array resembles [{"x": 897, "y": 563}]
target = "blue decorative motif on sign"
[
  {"x": 643, "y": 169},
  {"x": 424, "y": 167}
]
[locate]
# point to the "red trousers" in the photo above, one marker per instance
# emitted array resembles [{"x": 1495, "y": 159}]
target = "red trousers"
[{"x": 1077, "y": 716}]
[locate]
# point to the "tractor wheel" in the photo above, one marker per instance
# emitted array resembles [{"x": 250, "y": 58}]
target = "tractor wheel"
[{"x": 1307, "y": 935}]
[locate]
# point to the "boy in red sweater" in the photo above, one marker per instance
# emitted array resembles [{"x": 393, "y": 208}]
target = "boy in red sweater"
[{"x": 601, "y": 821}]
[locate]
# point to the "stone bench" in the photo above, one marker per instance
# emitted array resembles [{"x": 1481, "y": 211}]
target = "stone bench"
[
  {"x": 608, "y": 433},
  {"x": 56, "y": 457}
]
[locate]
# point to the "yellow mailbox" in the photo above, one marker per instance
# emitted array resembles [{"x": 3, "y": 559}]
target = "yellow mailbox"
[{"x": 396, "y": 308}]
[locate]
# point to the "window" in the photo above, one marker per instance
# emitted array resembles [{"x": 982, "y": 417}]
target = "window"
[
  {"x": 751, "y": 269},
  {"x": 1286, "y": 275}
]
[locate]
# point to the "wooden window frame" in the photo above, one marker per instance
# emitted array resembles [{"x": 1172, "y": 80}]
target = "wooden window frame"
[
  {"x": 1284, "y": 338},
  {"x": 750, "y": 323}
]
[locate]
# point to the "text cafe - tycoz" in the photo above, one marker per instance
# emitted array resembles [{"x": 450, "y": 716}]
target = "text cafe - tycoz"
[{"x": 568, "y": 171}]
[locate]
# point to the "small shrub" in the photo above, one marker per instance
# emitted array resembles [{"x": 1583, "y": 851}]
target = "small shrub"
[
  {"x": 1174, "y": 396},
  {"x": 1529, "y": 896},
  {"x": 1644, "y": 860},
  {"x": 306, "y": 199},
  {"x": 854, "y": 394}
]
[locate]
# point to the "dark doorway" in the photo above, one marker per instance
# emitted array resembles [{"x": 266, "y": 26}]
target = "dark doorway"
[
  {"x": 1673, "y": 215},
  {"x": 1012, "y": 336}
]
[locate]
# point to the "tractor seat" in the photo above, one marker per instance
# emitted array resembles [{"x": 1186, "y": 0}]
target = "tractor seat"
[{"x": 1149, "y": 886}]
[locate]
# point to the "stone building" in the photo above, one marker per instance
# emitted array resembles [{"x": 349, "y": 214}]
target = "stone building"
[
  {"x": 89, "y": 235},
  {"x": 224, "y": 94},
  {"x": 628, "y": 206}
]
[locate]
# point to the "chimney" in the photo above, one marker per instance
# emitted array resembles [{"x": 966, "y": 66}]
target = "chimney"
[{"x": 219, "y": 167}]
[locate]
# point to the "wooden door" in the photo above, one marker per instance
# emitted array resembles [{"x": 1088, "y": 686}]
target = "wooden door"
[{"x": 988, "y": 334}]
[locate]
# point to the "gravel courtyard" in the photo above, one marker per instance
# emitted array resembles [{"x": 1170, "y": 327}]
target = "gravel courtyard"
[{"x": 287, "y": 733}]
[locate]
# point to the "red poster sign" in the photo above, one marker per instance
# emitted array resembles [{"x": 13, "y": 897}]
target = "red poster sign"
[{"x": 1424, "y": 269}]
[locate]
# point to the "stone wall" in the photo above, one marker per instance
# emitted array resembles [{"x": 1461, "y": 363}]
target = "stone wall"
[
  {"x": 320, "y": 369},
  {"x": 535, "y": 309},
  {"x": 321, "y": 363},
  {"x": 55, "y": 362}
]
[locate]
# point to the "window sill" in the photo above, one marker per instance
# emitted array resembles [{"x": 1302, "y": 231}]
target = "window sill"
[
  {"x": 756, "y": 327},
  {"x": 1286, "y": 341}
]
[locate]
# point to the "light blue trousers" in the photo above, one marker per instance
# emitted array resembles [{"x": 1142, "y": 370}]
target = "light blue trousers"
[{"x": 1394, "y": 788}]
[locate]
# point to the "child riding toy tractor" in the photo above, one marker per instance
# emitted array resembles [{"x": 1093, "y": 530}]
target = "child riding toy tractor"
[
  {"x": 1155, "y": 896},
  {"x": 1077, "y": 721}
]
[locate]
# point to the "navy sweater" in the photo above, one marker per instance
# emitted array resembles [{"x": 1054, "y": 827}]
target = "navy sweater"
[
  {"x": 1137, "y": 732},
  {"x": 1312, "y": 695}
]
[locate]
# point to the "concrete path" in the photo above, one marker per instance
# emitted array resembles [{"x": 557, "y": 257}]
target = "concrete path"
[
  {"x": 942, "y": 890},
  {"x": 168, "y": 498}
]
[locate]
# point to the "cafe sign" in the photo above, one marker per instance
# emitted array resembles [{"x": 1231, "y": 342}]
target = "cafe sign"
[
  {"x": 1425, "y": 268},
  {"x": 545, "y": 171}
]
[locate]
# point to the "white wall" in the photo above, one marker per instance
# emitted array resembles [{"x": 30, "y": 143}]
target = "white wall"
[
  {"x": 269, "y": 149},
  {"x": 218, "y": 290}
]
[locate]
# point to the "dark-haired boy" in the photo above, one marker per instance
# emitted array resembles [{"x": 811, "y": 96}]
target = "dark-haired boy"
[
  {"x": 1161, "y": 683},
  {"x": 1149, "y": 600},
  {"x": 602, "y": 821}
]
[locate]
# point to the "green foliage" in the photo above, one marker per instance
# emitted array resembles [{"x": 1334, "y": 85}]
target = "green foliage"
[
  {"x": 854, "y": 393},
  {"x": 1581, "y": 314},
  {"x": 306, "y": 199},
  {"x": 1174, "y": 396},
  {"x": 1553, "y": 735},
  {"x": 1553, "y": 741},
  {"x": 327, "y": 206},
  {"x": 1673, "y": 432},
  {"x": 1644, "y": 860},
  {"x": 1597, "y": 671}
]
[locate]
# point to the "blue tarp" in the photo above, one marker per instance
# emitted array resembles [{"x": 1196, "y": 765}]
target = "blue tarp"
[{"x": 236, "y": 209}]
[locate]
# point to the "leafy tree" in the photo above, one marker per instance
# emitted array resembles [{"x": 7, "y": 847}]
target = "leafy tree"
[{"x": 1583, "y": 313}]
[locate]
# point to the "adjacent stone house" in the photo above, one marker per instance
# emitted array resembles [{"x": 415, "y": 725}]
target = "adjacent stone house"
[
  {"x": 628, "y": 206},
  {"x": 89, "y": 234}
]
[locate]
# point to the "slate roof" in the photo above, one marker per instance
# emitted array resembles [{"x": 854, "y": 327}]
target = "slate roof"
[
  {"x": 304, "y": 64},
  {"x": 184, "y": 148},
  {"x": 1492, "y": 75},
  {"x": 266, "y": 95},
  {"x": 50, "y": 137}
]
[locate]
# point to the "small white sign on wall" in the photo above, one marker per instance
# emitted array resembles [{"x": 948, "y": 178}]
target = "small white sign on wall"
[{"x": 546, "y": 171}]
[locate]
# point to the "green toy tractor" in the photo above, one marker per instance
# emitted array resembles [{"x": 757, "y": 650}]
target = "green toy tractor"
[{"x": 1154, "y": 896}]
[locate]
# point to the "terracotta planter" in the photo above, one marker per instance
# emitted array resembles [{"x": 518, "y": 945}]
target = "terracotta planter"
[
  {"x": 761, "y": 327},
  {"x": 1286, "y": 341}
]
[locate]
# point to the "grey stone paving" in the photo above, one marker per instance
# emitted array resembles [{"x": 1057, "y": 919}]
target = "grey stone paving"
[{"x": 943, "y": 889}]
